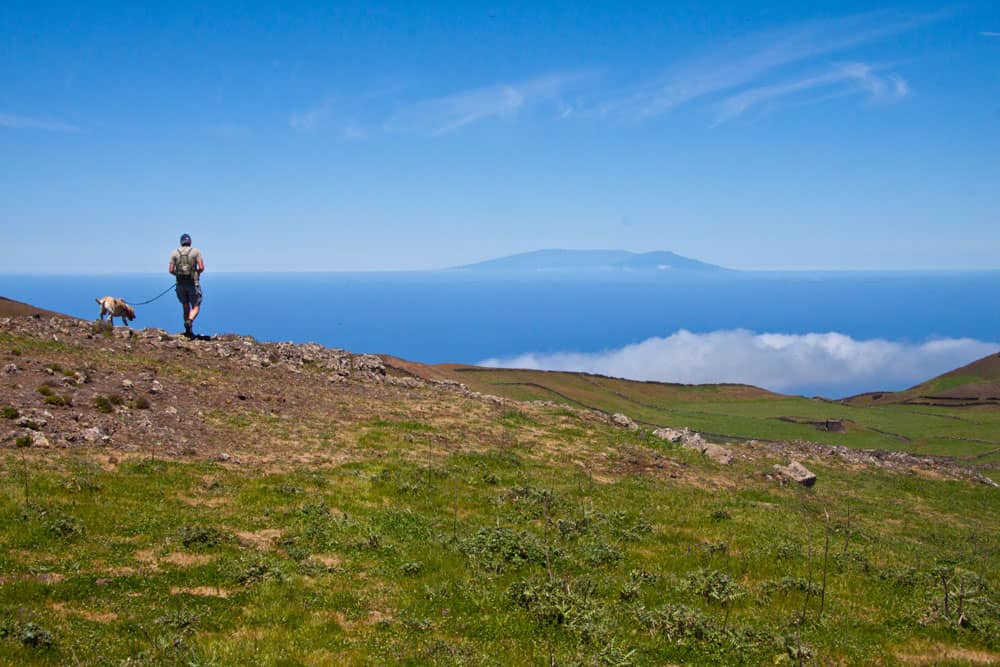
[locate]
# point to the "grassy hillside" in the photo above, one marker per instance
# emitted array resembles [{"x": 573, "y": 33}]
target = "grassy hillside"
[
  {"x": 972, "y": 385},
  {"x": 226, "y": 502},
  {"x": 739, "y": 412}
]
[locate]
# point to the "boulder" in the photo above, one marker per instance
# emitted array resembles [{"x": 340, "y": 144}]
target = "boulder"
[
  {"x": 718, "y": 453},
  {"x": 624, "y": 421},
  {"x": 796, "y": 472},
  {"x": 10, "y": 369},
  {"x": 671, "y": 434}
]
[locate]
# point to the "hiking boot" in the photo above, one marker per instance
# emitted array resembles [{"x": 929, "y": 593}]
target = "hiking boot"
[{"x": 188, "y": 331}]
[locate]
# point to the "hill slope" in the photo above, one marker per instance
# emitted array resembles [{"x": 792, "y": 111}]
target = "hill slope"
[
  {"x": 740, "y": 412},
  {"x": 977, "y": 383},
  {"x": 231, "y": 502}
]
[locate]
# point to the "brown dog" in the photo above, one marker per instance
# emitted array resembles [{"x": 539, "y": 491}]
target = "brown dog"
[{"x": 116, "y": 308}]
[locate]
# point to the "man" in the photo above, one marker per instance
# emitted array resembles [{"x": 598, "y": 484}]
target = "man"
[{"x": 187, "y": 265}]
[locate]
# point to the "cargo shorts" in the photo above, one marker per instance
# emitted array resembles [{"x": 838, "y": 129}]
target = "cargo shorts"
[{"x": 189, "y": 294}]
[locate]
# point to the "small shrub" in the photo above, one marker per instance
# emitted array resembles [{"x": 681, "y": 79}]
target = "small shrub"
[
  {"x": 254, "y": 568},
  {"x": 58, "y": 400},
  {"x": 290, "y": 490},
  {"x": 629, "y": 592},
  {"x": 677, "y": 623},
  {"x": 599, "y": 554},
  {"x": 23, "y": 441},
  {"x": 786, "y": 585},
  {"x": 141, "y": 403},
  {"x": 296, "y": 552},
  {"x": 644, "y": 577},
  {"x": 55, "y": 368},
  {"x": 183, "y": 620},
  {"x": 531, "y": 501},
  {"x": 490, "y": 478},
  {"x": 720, "y": 515},
  {"x": 103, "y": 404},
  {"x": 412, "y": 568},
  {"x": 712, "y": 585},
  {"x": 561, "y": 602},
  {"x": 44, "y": 390},
  {"x": 788, "y": 551},
  {"x": 36, "y": 636},
  {"x": 203, "y": 536},
  {"x": 63, "y": 526},
  {"x": 9, "y": 412},
  {"x": 716, "y": 547},
  {"x": 500, "y": 548}
]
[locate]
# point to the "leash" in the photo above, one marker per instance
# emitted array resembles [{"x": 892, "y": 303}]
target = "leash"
[{"x": 143, "y": 303}]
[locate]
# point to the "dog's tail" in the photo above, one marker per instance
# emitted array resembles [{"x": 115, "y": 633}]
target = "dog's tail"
[{"x": 97, "y": 300}]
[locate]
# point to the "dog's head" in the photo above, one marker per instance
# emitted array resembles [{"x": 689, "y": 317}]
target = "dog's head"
[{"x": 129, "y": 311}]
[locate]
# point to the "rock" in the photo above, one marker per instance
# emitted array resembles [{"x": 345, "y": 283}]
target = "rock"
[
  {"x": 93, "y": 434},
  {"x": 128, "y": 385},
  {"x": 796, "y": 472},
  {"x": 39, "y": 440},
  {"x": 671, "y": 434},
  {"x": 718, "y": 453},
  {"x": 10, "y": 369},
  {"x": 410, "y": 382},
  {"x": 223, "y": 457},
  {"x": 170, "y": 410},
  {"x": 368, "y": 364},
  {"x": 155, "y": 387},
  {"x": 34, "y": 423},
  {"x": 624, "y": 421}
]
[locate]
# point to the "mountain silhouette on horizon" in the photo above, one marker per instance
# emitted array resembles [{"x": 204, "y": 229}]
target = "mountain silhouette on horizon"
[{"x": 557, "y": 260}]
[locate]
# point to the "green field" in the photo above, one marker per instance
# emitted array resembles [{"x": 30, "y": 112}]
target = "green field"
[{"x": 733, "y": 412}]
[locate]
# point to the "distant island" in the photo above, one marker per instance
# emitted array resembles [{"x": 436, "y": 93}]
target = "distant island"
[{"x": 579, "y": 261}]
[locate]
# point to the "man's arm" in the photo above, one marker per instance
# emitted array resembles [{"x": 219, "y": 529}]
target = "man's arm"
[
  {"x": 170, "y": 267},
  {"x": 201, "y": 265}
]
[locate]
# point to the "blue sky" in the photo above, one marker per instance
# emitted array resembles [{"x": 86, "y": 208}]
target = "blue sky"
[{"x": 318, "y": 136}]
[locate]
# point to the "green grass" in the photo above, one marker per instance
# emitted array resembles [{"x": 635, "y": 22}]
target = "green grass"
[
  {"x": 388, "y": 561},
  {"x": 365, "y": 524},
  {"x": 735, "y": 412}
]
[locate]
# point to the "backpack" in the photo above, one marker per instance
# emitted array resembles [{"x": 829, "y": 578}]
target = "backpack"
[{"x": 184, "y": 267}]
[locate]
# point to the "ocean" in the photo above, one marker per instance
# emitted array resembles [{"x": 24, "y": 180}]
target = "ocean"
[{"x": 459, "y": 317}]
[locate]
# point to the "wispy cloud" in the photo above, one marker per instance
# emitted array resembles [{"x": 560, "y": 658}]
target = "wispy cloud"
[
  {"x": 988, "y": 33},
  {"x": 25, "y": 123},
  {"x": 830, "y": 363},
  {"x": 755, "y": 60},
  {"x": 840, "y": 80},
  {"x": 449, "y": 113},
  {"x": 307, "y": 120}
]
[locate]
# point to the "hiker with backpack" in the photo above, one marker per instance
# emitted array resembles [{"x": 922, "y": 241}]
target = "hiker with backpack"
[{"x": 187, "y": 265}]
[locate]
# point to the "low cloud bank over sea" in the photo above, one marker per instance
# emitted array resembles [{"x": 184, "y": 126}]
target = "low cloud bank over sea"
[{"x": 831, "y": 364}]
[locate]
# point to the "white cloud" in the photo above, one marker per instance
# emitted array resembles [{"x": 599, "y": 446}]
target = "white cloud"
[
  {"x": 25, "y": 123},
  {"x": 447, "y": 114},
  {"x": 832, "y": 363},
  {"x": 988, "y": 33},
  {"x": 841, "y": 80},
  {"x": 753, "y": 60}
]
